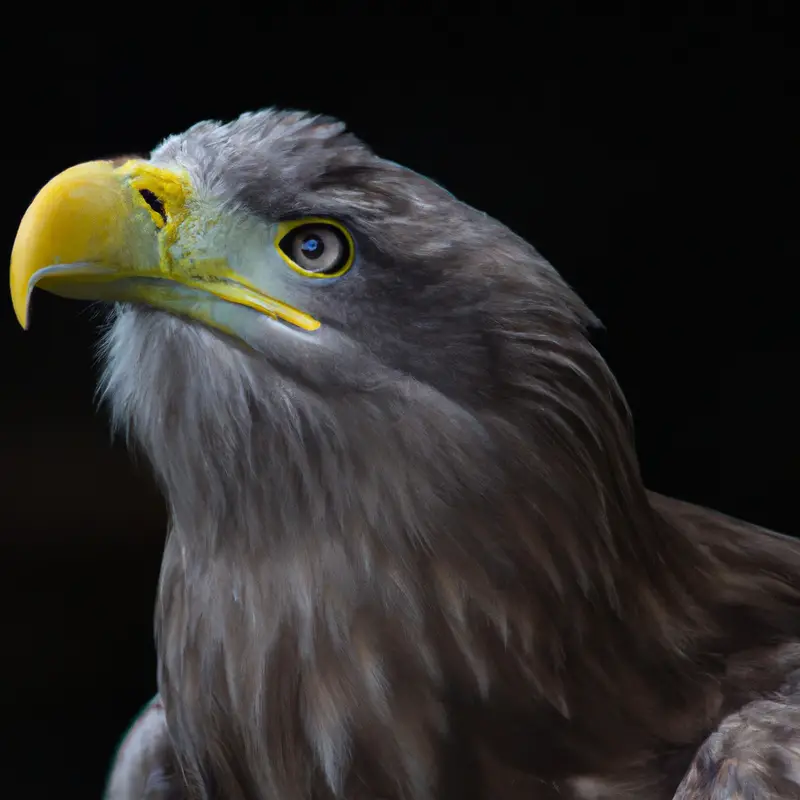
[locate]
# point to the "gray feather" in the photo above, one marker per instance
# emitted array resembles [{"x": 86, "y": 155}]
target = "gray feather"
[{"x": 435, "y": 496}]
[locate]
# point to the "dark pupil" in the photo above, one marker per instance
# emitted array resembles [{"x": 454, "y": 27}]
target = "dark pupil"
[{"x": 312, "y": 246}]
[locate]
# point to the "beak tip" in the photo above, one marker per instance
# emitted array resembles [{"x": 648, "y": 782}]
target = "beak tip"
[
  {"x": 21, "y": 301},
  {"x": 23, "y": 318}
]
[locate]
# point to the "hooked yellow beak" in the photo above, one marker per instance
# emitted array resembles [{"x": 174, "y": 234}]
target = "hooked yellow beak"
[
  {"x": 75, "y": 224},
  {"x": 99, "y": 231}
]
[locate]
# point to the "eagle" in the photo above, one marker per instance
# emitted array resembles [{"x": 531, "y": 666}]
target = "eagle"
[{"x": 410, "y": 553}]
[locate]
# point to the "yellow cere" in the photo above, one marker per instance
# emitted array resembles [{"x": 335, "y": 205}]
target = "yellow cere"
[
  {"x": 172, "y": 189},
  {"x": 284, "y": 228}
]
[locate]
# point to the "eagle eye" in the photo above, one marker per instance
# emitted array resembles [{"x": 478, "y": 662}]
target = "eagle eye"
[{"x": 316, "y": 248}]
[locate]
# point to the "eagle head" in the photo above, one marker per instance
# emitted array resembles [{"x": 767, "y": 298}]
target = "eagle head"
[
  {"x": 288, "y": 304},
  {"x": 375, "y": 414}
]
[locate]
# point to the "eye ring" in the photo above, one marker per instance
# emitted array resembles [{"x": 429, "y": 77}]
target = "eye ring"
[{"x": 316, "y": 247}]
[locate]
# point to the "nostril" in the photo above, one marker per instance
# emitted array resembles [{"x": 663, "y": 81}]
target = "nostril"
[{"x": 154, "y": 203}]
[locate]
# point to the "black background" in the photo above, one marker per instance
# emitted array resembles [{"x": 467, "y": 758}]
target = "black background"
[{"x": 653, "y": 161}]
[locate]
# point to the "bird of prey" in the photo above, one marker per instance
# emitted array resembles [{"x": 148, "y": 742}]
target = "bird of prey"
[{"x": 410, "y": 555}]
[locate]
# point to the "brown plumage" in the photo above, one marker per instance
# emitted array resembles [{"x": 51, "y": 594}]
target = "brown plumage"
[{"x": 411, "y": 555}]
